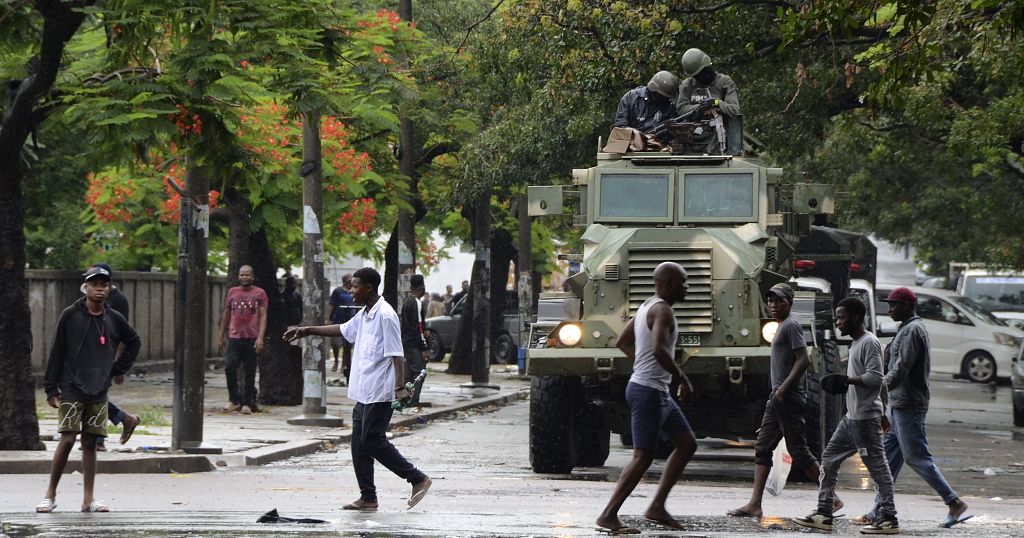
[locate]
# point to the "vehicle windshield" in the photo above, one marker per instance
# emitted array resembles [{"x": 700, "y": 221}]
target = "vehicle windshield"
[
  {"x": 977, "y": 310},
  {"x": 635, "y": 195},
  {"x": 996, "y": 292}
]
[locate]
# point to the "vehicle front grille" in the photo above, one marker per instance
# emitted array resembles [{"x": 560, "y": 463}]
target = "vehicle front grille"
[{"x": 696, "y": 313}]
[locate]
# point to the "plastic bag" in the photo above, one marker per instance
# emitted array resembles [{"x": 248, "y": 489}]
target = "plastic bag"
[{"x": 782, "y": 462}]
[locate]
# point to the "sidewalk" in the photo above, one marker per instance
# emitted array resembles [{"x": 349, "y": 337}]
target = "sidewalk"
[{"x": 255, "y": 439}]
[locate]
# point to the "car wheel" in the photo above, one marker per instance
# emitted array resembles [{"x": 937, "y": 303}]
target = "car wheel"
[
  {"x": 979, "y": 367},
  {"x": 435, "y": 349},
  {"x": 504, "y": 351}
]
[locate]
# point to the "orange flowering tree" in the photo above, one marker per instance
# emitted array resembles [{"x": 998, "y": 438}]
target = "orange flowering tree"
[{"x": 254, "y": 145}]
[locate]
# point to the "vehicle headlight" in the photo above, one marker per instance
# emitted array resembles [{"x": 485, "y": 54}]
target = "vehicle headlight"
[
  {"x": 768, "y": 331},
  {"x": 570, "y": 334},
  {"x": 1007, "y": 339}
]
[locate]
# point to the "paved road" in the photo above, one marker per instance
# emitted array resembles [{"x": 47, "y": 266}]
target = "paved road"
[{"x": 483, "y": 487}]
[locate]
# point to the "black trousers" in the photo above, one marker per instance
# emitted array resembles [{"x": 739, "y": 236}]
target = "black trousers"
[
  {"x": 369, "y": 443},
  {"x": 241, "y": 353}
]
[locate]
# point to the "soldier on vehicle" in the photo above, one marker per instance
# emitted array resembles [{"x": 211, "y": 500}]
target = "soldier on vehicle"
[
  {"x": 650, "y": 339},
  {"x": 705, "y": 87},
  {"x": 646, "y": 107}
]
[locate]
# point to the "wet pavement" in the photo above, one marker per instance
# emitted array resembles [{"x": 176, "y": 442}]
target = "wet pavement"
[{"x": 484, "y": 487}]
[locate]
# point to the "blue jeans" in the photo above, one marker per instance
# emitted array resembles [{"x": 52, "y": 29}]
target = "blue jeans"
[
  {"x": 852, "y": 437},
  {"x": 907, "y": 442}
]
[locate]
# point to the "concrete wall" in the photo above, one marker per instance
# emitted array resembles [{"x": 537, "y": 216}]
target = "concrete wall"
[{"x": 150, "y": 295}]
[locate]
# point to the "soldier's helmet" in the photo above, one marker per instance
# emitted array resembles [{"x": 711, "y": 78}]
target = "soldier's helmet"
[
  {"x": 665, "y": 83},
  {"x": 694, "y": 60}
]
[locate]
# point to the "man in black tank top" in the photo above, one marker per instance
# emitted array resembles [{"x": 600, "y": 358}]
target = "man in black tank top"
[{"x": 652, "y": 409}]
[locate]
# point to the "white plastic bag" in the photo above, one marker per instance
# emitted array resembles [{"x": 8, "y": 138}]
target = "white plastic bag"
[{"x": 782, "y": 462}]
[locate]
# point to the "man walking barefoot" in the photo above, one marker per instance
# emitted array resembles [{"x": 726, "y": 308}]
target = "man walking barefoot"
[
  {"x": 378, "y": 369},
  {"x": 650, "y": 340},
  {"x": 783, "y": 414}
]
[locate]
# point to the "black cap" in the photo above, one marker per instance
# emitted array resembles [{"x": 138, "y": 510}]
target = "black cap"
[
  {"x": 782, "y": 291},
  {"x": 96, "y": 272},
  {"x": 416, "y": 281},
  {"x": 103, "y": 265}
]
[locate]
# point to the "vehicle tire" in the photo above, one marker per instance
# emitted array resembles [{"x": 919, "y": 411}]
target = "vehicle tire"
[
  {"x": 1018, "y": 414},
  {"x": 551, "y": 414},
  {"x": 979, "y": 367},
  {"x": 435, "y": 348},
  {"x": 592, "y": 436},
  {"x": 626, "y": 438},
  {"x": 503, "y": 351}
]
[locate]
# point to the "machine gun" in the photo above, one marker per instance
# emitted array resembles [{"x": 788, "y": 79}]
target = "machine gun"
[
  {"x": 399, "y": 405},
  {"x": 661, "y": 134}
]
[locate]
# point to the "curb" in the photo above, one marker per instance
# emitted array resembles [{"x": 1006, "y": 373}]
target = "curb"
[
  {"x": 270, "y": 454},
  {"x": 199, "y": 463}
]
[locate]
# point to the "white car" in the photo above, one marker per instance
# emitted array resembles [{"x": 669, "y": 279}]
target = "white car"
[
  {"x": 967, "y": 341},
  {"x": 999, "y": 292}
]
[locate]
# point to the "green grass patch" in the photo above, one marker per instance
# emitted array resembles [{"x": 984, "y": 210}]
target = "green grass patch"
[
  {"x": 43, "y": 409},
  {"x": 153, "y": 416}
]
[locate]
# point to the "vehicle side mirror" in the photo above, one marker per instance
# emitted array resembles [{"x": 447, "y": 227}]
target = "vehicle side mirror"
[{"x": 887, "y": 329}]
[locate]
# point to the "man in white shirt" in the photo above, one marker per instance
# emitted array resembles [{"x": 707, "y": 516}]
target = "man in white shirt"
[{"x": 378, "y": 366}]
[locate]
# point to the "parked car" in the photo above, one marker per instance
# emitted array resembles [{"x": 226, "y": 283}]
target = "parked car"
[
  {"x": 1017, "y": 383},
  {"x": 1000, "y": 292},
  {"x": 967, "y": 341},
  {"x": 439, "y": 332}
]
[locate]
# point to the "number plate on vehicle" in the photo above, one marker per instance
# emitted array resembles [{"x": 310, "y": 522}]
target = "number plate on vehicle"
[{"x": 689, "y": 339}]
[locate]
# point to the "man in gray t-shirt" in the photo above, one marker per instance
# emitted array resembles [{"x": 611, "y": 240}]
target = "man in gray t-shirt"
[
  {"x": 783, "y": 413},
  {"x": 861, "y": 428}
]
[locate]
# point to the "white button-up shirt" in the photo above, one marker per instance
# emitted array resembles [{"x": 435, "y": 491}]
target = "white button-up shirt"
[{"x": 377, "y": 339}]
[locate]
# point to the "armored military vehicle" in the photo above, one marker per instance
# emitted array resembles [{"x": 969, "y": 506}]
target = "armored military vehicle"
[{"x": 733, "y": 224}]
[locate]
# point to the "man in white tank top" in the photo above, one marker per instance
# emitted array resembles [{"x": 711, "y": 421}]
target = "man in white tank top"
[{"x": 650, "y": 340}]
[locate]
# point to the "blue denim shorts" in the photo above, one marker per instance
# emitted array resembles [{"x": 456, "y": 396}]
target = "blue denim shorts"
[{"x": 651, "y": 413}]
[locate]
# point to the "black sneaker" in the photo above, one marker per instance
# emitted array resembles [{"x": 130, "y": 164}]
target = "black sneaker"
[
  {"x": 882, "y": 525},
  {"x": 816, "y": 520}
]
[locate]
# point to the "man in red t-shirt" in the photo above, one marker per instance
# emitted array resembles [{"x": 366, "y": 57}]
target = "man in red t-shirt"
[{"x": 243, "y": 325}]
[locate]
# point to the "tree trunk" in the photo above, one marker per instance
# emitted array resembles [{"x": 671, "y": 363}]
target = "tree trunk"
[
  {"x": 391, "y": 270},
  {"x": 503, "y": 251},
  {"x": 280, "y": 364},
  {"x": 19, "y": 428},
  {"x": 471, "y": 350}
]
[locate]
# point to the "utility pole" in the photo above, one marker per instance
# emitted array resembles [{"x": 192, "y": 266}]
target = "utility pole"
[
  {"x": 314, "y": 373},
  {"x": 524, "y": 266},
  {"x": 407, "y": 168},
  {"x": 190, "y": 323}
]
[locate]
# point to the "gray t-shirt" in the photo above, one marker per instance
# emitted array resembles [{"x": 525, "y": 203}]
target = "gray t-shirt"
[
  {"x": 864, "y": 402},
  {"x": 789, "y": 338}
]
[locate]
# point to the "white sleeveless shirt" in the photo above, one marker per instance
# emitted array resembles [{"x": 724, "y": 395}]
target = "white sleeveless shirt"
[{"x": 646, "y": 369}]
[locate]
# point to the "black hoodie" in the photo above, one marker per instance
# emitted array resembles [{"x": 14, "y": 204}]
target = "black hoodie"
[{"x": 81, "y": 364}]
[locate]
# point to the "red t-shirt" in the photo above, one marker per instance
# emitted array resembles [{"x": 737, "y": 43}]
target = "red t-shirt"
[{"x": 245, "y": 305}]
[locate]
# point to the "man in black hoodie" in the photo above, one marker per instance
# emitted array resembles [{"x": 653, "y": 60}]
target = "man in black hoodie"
[{"x": 78, "y": 374}]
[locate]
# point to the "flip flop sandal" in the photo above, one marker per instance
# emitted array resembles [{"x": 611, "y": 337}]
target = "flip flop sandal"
[
  {"x": 96, "y": 506},
  {"x": 46, "y": 506},
  {"x": 952, "y": 521},
  {"x": 618, "y": 530},
  {"x": 418, "y": 496}
]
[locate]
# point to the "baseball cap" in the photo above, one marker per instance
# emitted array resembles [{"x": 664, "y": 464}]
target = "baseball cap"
[
  {"x": 95, "y": 272},
  {"x": 901, "y": 294},
  {"x": 103, "y": 265},
  {"x": 782, "y": 291}
]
